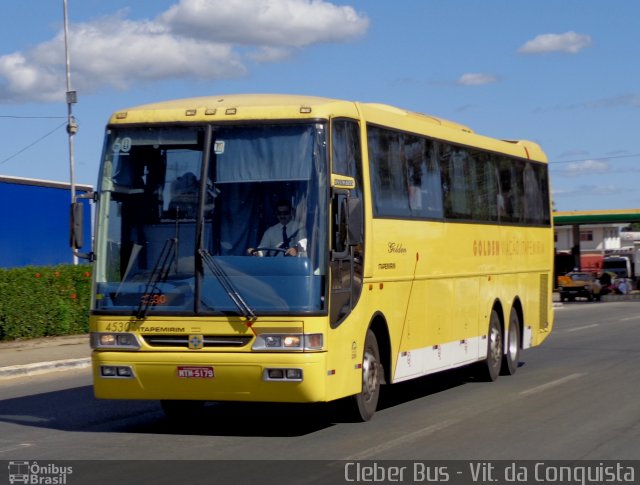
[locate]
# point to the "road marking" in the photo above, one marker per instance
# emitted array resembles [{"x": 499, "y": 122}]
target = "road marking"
[
  {"x": 402, "y": 440},
  {"x": 583, "y": 327},
  {"x": 551, "y": 384},
  {"x": 626, "y": 319},
  {"x": 16, "y": 447}
]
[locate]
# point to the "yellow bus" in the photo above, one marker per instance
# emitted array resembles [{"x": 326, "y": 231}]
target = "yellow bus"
[{"x": 413, "y": 246}]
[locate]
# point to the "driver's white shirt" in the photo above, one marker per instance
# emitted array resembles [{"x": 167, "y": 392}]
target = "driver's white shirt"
[{"x": 272, "y": 237}]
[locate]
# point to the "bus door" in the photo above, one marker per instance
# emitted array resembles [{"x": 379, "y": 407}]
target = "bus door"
[
  {"x": 346, "y": 254},
  {"x": 347, "y": 215}
]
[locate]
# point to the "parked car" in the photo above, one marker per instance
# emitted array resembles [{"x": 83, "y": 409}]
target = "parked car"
[{"x": 579, "y": 284}]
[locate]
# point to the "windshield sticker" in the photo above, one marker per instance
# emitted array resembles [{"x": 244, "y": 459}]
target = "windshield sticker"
[
  {"x": 122, "y": 145},
  {"x": 218, "y": 147}
]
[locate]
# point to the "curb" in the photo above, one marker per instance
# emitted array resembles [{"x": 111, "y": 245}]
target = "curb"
[
  {"x": 41, "y": 342},
  {"x": 630, "y": 296},
  {"x": 13, "y": 371}
]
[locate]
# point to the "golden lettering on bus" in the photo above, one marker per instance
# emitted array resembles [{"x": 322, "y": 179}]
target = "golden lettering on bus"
[
  {"x": 398, "y": 248},
  {"x": 511, "y": 247}
]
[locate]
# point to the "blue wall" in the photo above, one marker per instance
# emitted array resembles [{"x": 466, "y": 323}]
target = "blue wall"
[{"x": 34, "y": 224}]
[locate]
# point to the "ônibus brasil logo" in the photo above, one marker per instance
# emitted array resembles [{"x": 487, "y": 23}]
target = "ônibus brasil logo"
[{"x": 33, "y": 473}]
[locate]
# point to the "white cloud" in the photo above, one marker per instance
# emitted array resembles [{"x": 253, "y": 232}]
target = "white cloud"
[
  {"x": 265, "y": 22},
  {"x": 146, "y": 51},
  {"x": 199, "y": 39},
  {"x": 22, "y": 79},
  {"x": 569, "y": 43},
  {"x": 586, "y": 167},
  {"x": 588, "y": 191},
  {"x": 609, "y": 189},
  {"x": 476, "y": 79},
  {"x": 270, "y": 54},
  {"x": 624, "y": 100}
]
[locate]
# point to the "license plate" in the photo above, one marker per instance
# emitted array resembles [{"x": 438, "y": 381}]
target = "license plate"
[{"x": 191, "y": 372}]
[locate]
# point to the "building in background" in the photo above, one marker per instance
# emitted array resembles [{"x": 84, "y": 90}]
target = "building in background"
[
  {"x": 603, "y": 247},
  {"x": 592, "y": 240},
  {"x": 34, "y": 221}
]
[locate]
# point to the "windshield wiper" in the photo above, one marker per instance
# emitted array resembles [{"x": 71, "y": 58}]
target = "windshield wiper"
[
  {"x": 224, "y": 280},
  {"x": 159, "y": 273}
]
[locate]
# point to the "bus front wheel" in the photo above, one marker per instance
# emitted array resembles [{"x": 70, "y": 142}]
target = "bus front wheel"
[{"x": 362, "y": 406}]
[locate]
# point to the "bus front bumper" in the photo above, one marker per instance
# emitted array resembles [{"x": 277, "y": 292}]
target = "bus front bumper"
[{"x": 256, "y": 377}]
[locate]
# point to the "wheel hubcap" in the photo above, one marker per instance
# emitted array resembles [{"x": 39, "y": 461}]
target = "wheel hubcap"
[
  {"x": 369, "y": 375},
  {"x": 495, "y": 348},
  {"x": 513, "y": 344}
]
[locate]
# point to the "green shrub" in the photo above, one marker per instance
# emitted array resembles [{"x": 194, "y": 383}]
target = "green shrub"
[{"x": 41, "y": 301}]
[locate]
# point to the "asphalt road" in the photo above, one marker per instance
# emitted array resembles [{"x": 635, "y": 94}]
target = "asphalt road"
[{"x": 576, "y": 397}]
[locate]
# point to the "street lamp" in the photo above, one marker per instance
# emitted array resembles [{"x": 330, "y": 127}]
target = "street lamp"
[{"x": 72, "y": 129}]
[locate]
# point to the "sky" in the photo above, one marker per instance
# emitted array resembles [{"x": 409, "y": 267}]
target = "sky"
[{"x": 562, "y": 73}]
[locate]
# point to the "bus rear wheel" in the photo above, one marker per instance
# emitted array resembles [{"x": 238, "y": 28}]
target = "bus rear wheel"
[
  {"x": 512, "y": 355},
  {"x": 363, "y": 405},
  {"x": 489, "y": 369}
]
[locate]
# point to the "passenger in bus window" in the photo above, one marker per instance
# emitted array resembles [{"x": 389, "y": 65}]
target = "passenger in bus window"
[
  {"x": 184, "y": 196},
  {"x": 286, "y": 238},
  {"x": 505, "y": 197}
]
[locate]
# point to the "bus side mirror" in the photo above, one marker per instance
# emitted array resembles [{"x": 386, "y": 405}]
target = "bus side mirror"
[
  {"x": 347, "y": 225},
  {"x": 76, "y": 227},
  {"x": 75, "y": 230}
]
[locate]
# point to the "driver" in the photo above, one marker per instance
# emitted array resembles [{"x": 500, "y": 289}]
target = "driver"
[{"x": 287, "y": 235}]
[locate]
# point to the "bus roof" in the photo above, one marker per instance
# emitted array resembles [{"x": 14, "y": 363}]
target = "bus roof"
[
  {"x": 285, "y": 106},
  {"x": 234, "y": 107}
]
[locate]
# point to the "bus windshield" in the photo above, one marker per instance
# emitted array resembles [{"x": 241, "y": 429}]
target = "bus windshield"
[{"x": 192, "y": 218}]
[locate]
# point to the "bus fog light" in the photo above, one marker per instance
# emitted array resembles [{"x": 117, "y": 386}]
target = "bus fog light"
[
  {"x": 282, "y": 375},
  {"x": 116, "y": 371},
  {"x": 275, "y": 373},
  {"x": 108, "y": 371},
  {"x": 124, "y": 372},
  {"x": 294, "y": 374}
]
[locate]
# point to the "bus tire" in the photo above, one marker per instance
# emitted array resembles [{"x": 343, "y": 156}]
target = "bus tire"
[
  {"x": 362, "y": 406},
  {"x": 489, "y": 369},
  {"x": 511, "y": 357}
]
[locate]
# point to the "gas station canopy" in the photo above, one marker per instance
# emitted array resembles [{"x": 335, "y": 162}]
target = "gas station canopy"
[{"x": 569, "y": 218}]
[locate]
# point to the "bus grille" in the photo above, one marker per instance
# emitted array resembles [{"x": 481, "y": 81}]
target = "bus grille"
[{"x": 183, "y": 340}]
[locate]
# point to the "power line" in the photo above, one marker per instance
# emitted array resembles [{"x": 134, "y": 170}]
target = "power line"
[
  {"x": 596, "y": 158},
  {"x": 15, "y": 117},
  {"x": 33, "y": 143}
]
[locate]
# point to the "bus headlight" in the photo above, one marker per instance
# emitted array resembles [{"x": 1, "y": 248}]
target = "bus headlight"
[
  {"x": 270, "y": 341},
  {"x": 111, "y": 341}
]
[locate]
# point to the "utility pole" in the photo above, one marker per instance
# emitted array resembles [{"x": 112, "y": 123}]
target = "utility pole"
[{"x": 72, "y": 125}]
